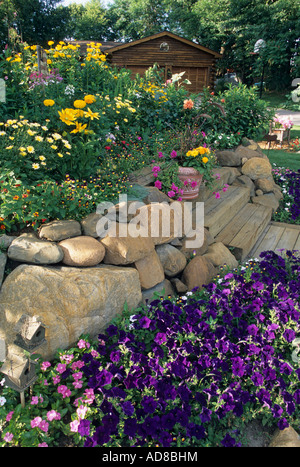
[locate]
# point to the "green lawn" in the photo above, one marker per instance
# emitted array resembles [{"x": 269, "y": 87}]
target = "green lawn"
[
  {"x": 275, "y": 99},
  {"x": 283, "y": 158}
]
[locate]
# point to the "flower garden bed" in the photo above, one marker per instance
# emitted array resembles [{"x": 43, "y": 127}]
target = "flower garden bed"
[{"x": 189, "y": 371}]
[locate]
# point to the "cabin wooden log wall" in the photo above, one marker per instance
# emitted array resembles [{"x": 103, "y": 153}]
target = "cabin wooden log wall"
[{"x": 172, "y": 53}]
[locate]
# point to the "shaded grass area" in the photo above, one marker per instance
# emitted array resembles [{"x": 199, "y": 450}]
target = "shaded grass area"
[{"x": 282, "y": 158}]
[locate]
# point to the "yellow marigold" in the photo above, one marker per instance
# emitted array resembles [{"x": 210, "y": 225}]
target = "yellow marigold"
[
  {"x": 79, "y": 104},
  {"x": 49, "y": 102},
  {"x": 204, "y": 160},
  {"x": 201, "y": 150},
  {"x": 89, "y": 99}
]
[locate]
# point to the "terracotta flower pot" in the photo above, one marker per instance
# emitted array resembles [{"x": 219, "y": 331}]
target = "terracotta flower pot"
[{"x": 191, "y": 179}]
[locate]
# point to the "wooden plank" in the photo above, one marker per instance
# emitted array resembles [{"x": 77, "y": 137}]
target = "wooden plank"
[
  {"x": 288, "y": 239},
  {"x": 246, "y": 238},
  {"x": 297, "y": 244},
  {"x": 270, "y": 240},
  {"x": 213, "y": 203},
  {"x": 235, "y": 225},
  {"x": 284, "y": 224},
  {"x": 221, "y": 214}
]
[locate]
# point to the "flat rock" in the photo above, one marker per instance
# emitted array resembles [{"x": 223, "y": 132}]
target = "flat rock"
[
  {"x": 59, "y": 230},
  {"x": 268, "y": 199},
  {"x": 247, "y": 151},
  {"x": 82, "y": 251},
  {"x": 69, "y": 301},
  {"x": 172, "y": 259},
  {"x": 163, "y": 289},
  {"x": 287, "y": 438},
  {"x": 27, "y": 248},
  {"x": 245, "y": 181},
  {"x": 267, "y": 185}
]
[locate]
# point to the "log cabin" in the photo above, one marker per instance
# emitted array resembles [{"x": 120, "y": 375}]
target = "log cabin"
[{"x": 172, "y": 53}]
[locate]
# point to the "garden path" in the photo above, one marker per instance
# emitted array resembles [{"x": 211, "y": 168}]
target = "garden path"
[{"x": 277, "y": 236}]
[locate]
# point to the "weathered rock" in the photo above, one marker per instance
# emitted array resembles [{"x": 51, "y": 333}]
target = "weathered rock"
[
  {"x": 126, "y": 249},
  {"x": 269, "y": 200},
  {"x": 229, "y": 158},
  {"x": 59, "y": 230},
  {"x": 161, "y": 221},
  {"x": 259, "y": 192},
  {"x": 199, "y": 271},
  {"x": 245, "y": 181},
  {"x": 247, "y": 151},
  {"x": 150, "y": 270},
  {"x": 189, "y": 251},
  {"x": 220, "y": 255},
  {"x": 69, "y": 301},
  {"x": 265, "y": 184},
  {"x": 155, "y": 196},
  {"x": 89, "y": 224},
  {"x": 172, "y": 259},
  {"x": 27, "y": 248},
  {"x": 178, "y": 285},
  {"x": 164, "y": 289},
  {"x": 287, "y": 438},
  {"x": 257, "y": 167},
  {"x": 6, "y": 240},
  {"x": 278, "y": 192},
  {"x": 82, "y": 251},
  {"x": 3, "y": 260}
]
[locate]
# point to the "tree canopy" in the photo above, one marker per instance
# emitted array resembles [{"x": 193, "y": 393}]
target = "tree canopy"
[{"x": 231, "y": 27}]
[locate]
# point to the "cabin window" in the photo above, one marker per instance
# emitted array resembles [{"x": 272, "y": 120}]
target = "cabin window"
[{"x": 164, "y": 47}]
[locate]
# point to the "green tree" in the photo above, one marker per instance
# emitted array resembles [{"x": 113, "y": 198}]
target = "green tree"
[{"x": 90, "y": 22}]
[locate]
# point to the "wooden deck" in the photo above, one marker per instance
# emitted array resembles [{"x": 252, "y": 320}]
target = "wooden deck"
[
  {"x": 246, "y": 228},
  {"x": 277, "y": 237}
]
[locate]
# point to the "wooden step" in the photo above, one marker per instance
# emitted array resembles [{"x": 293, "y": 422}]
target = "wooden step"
[
  {"x": 219, "y": 212},
  {"x": 278, "y": 238},
  {"x": 244, "y": 229}
]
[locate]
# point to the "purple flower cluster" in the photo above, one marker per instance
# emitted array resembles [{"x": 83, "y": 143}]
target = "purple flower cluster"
[
  {"x": 290, "y": 184},
  {"x": 294, "y": 192},
  {"x": 180, "y": 367},
  {"x": 40, "y": 79}
]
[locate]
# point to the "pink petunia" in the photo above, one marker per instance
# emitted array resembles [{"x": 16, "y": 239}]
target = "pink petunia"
[{"x": 158, "y": 184}]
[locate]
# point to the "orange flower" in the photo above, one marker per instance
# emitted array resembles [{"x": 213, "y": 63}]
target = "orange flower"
[
  {"x": 188, "y": 104},
  {"x": 36, "y": 214},
  {"x": 16, "y": 197},
  {"x": 2, "y": 227}
]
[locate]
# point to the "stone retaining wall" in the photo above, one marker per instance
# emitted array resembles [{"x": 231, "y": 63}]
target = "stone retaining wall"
[{"x": 77, "y": 281}]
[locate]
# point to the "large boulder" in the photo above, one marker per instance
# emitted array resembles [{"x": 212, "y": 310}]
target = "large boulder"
[
  {"x": 83, "y": 251},
  {"x": 122, "y": 248},
  {"x": 257, "y": 168},
  {"x": 228, "y": 158},
  {"x": 220, "y": 255},
  {"x": 199, "y": 271},
  {"x": 69, "y": 301},
  {"x": 27, "y": 248},
  {"x": 150, "y": 269},
  {"x": 59, "y": 230}
]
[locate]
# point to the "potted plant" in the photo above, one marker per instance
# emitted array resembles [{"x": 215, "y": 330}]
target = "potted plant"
[{"x": 281, "y": 127}]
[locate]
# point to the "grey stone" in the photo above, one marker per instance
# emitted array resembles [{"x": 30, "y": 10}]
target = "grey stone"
[
  {"x": 59, "y": 230},
  {"x": 29, "y": 249}
]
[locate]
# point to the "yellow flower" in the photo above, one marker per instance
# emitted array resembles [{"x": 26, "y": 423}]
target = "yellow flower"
[
  {"x": 9, "y": 147},
  {"x": 16, "y": 197},
  {"x": 79, "y": 104},
  {"x": 50, "y": 42},
  {"x": 60, "y": 154},
  {"x": 30, "y": 149},
  {"x": 67, "y": 116},
  {"x": 22, "y": 149},
  {"x": 54, "y": 147},
  {"x": 49, "y": 102},
  {"x": 56, "y": 136},
  {"x": 91, "y": 114},
  {"x": 204, "y": 160},
  {"x": 39, "y": 138},
  {"x": 79, "y": 128},
  {"x": 35, "y": 166},
  {"x": 42, "y": 158},
  {"x": 31, "y": 133},
  {"x": 89, "y": 99}
]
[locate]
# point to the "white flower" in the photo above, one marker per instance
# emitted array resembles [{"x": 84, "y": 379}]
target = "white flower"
[{"x": 2, "y": 400}]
